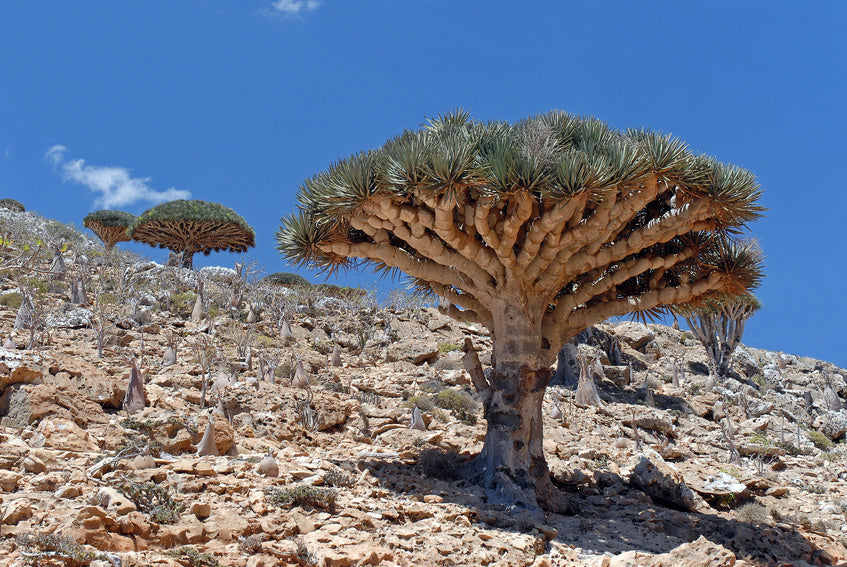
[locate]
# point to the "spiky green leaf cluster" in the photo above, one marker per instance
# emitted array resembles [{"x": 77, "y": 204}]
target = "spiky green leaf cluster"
[{"x": 555, "y": 157}]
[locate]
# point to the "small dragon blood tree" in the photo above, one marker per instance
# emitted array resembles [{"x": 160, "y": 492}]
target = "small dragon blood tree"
[
  {"x": 536, "y": 230},
  {"x": 193, "y": 226},
  {"x": 109, "y": 226}
]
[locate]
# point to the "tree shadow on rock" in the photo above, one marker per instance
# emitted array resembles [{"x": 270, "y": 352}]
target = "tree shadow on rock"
[{"x": 612, "y": 522}]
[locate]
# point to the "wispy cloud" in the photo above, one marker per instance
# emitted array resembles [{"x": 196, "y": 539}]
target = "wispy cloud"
[
  {"x": 293, "y": 8},
  {"x": 114, "y": 186}
]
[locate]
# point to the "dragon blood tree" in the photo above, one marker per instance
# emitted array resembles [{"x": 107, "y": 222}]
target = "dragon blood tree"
[
  {"x": 536, "y": 230},
  {"x": 109, "y": 226},
  {"x": 187, "y": 227},
  {"x": 718, "y": 323}
]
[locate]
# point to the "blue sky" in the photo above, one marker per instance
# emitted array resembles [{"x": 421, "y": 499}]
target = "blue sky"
[{"x": 125, "y": 104}]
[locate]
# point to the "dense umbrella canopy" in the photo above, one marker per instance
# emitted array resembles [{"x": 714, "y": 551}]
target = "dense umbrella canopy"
[
  {"x": 499, "y": 196},
  {"x": 110, "y": 226},
  {"x": 193, "y": 226}
]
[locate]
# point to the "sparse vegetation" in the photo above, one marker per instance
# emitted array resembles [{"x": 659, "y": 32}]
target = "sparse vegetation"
[
  {"x": 820, "y": 440},
  {"x": 304, "y": 496},
  {"x": 52, "y": 548},
  {"x": 190, "y": 557},
  {"x": 153, "y": 499}
]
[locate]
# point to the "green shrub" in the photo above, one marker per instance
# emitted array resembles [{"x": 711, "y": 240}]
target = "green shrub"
[
  {"x": 338, "y": 479},
  {"x": 55, "y": 547},
  {"x": 460, "y": 404},
  {"x": 193, "y": 558},
  {"x": 153, "y": 499},
  {"x": 760, "y": 439},
  {"x": 444, "y": 348},
  {"x": 12, "y": 300},
  {"x": 424, "y": 403},
  {"x": 108, "y": 298},
  {"x": 820, "y": 440}
]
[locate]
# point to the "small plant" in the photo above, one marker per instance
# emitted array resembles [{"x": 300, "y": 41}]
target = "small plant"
[
  {"x": 444, "y": 348},
  {"x": 305, "y": 557},
  {"x": 423, "y": 403},
  {"x": 192, "y": 558},
  {"x": 250, "y": 545},
  {"x": 694, "y": 389},
  {"x": 37, "y": 549},
  {"x": 752, "y": 513},
  {"x": 732, "y": 471},
  {"x": 153, "y": 499},
  {"x": 760, "y": 439},
  {"x": 820, "y": 440},
  {"x": 12, "y": 300},
  {"x": 338, "y": 479},
  {"x": 460, "y": 404},
  {"x": 304, "y": 496}
]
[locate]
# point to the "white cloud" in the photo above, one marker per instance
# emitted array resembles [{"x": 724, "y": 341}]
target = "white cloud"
[
  {"x": 114, "y": 186},
  {"x": 294, "y": 8}
]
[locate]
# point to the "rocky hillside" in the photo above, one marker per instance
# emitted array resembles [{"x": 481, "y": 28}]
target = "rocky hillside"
[{"x": 235, "y": 454}]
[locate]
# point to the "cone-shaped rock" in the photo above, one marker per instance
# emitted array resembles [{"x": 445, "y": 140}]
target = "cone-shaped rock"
[
  {"x": 197, "y": 314},
  {"x": 586, "y": 391},
  {"x": 268, "y": 466},
  {"x": 649, "y": 401},
  {"x": 23, "y": 320},
  {"x": 417, "y": 421},
  {"x": 710, "y": 383},
  {"x": 598, "y": 369},
  {"x": 251, "y": 316},
  {"x": 134, "y": 398},
  {"x": 248, "y": 359},
  {"x": 336, "y": 355},
  {"x": 556, "y": 412},
  {"x": 830, "y": 397},
  {"x": 169, "y": 357},
  {"x": 9, "y": 344},
  {"x": 219, "y": 409},
  {"x": 207, "y": 446},
  {"x": 286, "y": 334},
  {"x": 300, "y": 379}
]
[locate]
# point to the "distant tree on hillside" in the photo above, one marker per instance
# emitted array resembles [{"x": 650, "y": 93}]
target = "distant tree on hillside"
[
  {"x": 12, "y": 205},
  {"x": 285, "y": 279},
  {"x": 193, "y": 226},
  {"x": 536, "y": 230},
  {"x": 718, "y": 323},
  {"x": 109, "y": 226}
]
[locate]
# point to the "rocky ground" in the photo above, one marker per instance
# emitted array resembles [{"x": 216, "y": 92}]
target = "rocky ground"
[{"x": 750, "y": 473}]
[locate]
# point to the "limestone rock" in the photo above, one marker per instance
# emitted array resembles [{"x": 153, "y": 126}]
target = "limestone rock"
[
  {"x": 833, "y": 424},
  {"x": 65, "y": 435},
  {"x": 636, "y": 335},
  {"x": 663, "y": 483}
]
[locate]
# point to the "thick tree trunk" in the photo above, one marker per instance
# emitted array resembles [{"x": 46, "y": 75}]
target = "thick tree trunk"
[{"x": 511, "y": 464}]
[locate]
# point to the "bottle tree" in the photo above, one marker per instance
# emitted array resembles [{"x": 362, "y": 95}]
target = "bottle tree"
[
  {"x": 109, "y": 226},
  {"x": 536, "y": 230},
  {"x": 186, "y": 227}
]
